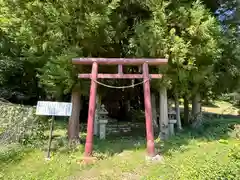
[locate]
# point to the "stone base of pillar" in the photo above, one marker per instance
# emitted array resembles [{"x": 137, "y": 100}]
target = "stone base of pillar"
[{"x": 156, "y": 158}]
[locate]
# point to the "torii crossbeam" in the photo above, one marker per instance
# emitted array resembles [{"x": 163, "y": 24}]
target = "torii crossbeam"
[{"x": 93, "y": 90}]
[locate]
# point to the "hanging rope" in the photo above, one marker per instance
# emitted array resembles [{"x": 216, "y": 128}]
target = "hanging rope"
[{"x": 120, "y": 87}]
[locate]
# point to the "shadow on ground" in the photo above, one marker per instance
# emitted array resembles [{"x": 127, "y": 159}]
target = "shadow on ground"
[
  {"x": 211, "y": 130},
  {"x": 218, "y": 127},
  {"x": 117, "y": 143}
]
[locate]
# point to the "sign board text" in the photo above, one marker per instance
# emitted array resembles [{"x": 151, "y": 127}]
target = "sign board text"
[{"x": 49, "y": 108}]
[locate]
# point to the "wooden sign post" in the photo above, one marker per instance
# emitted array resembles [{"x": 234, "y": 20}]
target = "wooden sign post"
[{"x": 49, "y": 108}]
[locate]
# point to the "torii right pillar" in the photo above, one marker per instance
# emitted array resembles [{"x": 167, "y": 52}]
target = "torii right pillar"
[{"x": 148, "y": 112}]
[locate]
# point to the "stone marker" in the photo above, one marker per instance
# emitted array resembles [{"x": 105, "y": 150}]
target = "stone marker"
[
  {"x": 172, "y": 121},
  {"x": 102, "y": 122}
]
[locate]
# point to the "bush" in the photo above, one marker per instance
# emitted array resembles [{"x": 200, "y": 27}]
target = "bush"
[
  {"x": 218, "y": 129},
  {"x": 12, "y": 153},
  {"x": 20, "y": 124},
  {"x": 211, "y": 161}
]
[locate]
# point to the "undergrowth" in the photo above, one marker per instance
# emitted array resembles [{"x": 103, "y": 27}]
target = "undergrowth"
[
  {"x": 19, "y": 124},
  {"x": 211, "y": 152}
]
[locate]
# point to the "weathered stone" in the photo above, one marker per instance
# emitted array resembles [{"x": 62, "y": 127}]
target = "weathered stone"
[
  {"x": 156, "y": 158},
  {"x": 102, "y": 129},
  {"x": 102, "y": 121},
  {"x": 172, "y": 121}
]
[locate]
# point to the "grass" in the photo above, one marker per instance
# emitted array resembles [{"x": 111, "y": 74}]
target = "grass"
[
  {"x": 218, "y": 107},
  {"x": 202, "y": 154},
  {"x": 211, "y": 152},
  {"x": 221, "y": 107}
]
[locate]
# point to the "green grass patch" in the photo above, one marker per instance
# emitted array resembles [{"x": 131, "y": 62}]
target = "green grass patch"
[{"x": 211, "y": 152}]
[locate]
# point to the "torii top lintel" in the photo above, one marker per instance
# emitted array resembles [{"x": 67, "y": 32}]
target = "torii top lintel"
[{"x": 120, "y": 61}]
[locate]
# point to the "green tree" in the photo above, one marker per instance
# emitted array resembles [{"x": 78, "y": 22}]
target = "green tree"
[
  {"x": 15, "y": 74},
  {"x": 227, "y": 69},
  {"x": 187, "y": 34},
  {"x": 55, "y": 32}
]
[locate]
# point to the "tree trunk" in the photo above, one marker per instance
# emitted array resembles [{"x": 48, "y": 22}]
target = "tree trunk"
[
  {"x": 127, "y": 106},
  {"x": 196, "y": 111},
  {"x": 164, "y": 130},
  {"x": 177, "y": 109},
  {"x": 186, "y": 111},
  {"x": 73, "y": 125},
  {"x": 158, "y": 109},
  {"x": 98, "y": 105},
  {"x": 196, "y": 104},
  {"x": 154, "y": 110}
]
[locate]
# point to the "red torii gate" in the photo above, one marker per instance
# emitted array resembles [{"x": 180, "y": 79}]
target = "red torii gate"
[{"x": 93, "y": 90}]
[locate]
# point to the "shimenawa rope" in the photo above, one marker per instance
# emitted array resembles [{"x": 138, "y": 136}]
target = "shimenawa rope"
[{"x": 120, "y": 87}]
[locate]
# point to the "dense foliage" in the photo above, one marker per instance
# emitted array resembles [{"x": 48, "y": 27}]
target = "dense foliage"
[
  {"x": 45, "y": 35},
  {"x": 39, "y": 38},
  {"x": 19, "y": 124},
  {"x": 188, "y": 36}
]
